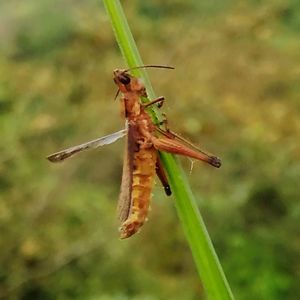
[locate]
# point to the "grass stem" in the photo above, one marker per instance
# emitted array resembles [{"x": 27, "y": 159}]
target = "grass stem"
[{"x": 206, "y": 260}]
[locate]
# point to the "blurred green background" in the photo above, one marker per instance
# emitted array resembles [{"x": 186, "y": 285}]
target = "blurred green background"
[{"x": 235, "y": 92}]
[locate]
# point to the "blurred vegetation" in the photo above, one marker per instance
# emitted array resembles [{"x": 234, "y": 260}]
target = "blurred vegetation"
[{"x": 235, "y": 91}]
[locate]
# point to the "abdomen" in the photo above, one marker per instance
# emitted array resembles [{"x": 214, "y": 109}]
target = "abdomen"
[{"x": 142, "y": 182}]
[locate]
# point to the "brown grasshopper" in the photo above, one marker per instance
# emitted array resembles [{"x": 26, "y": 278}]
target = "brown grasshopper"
[{"x": 141, "y": 159}]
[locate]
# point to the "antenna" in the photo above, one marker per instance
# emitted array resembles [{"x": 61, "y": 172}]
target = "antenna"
[{"x": 150, "y": 66}]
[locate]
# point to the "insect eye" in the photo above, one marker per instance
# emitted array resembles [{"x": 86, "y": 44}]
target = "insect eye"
[{"x": 124, "y": 78}]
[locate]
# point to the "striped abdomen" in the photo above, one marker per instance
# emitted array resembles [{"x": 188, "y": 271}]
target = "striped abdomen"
[{"x": 144, "y": 162}]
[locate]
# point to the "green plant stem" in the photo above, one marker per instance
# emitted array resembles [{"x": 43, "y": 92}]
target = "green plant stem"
[{"x": 206, "y": 260}]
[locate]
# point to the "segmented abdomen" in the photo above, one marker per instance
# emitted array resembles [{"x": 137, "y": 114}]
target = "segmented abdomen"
[{"x": 142, "y": 181}]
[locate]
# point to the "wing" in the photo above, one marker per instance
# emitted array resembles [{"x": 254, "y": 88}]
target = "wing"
[
  {"x": 108, "y": 139},
  {"x": 124, "y": 203}
]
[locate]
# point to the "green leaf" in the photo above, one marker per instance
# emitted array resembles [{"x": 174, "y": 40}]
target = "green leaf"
[{"x": 206, "y": 260}]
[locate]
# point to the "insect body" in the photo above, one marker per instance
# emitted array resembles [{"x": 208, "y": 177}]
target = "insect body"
[{"x": 141, "y": 159}]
